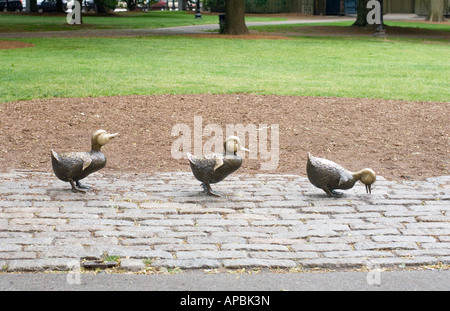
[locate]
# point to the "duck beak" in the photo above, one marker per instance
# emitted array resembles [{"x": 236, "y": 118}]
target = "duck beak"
[
  {"x": 113, "y": 135},
  {"x": 244, "y": 149},
  {"x": 368, "y": 189}
]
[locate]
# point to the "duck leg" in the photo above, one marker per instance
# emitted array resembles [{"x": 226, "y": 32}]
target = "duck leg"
[
  {"x": 75, "y": 188},
  {"x": 207, "y": 190}
]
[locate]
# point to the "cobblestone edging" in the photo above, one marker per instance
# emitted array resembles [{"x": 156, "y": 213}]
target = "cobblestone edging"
[{"x": 275, "y": 221}]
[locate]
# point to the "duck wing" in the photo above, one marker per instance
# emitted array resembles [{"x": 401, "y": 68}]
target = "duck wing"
[
  {"x": 73, "y": 159},
  {"x": 86, "y": 163},
  {"x": 207, "y": 162},
  {"x": 205, "y": 166}
]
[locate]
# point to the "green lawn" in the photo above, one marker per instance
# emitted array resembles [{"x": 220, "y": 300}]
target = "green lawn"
[
  {"x": 317, "y": 66},
  {"x": 127, "y": 20}
]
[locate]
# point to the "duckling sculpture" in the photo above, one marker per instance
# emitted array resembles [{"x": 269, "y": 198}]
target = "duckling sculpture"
[
  {"x": 74, "y": 166},
  {"x": 213, "y": 168},
  {"x": 328, "y": 176}
]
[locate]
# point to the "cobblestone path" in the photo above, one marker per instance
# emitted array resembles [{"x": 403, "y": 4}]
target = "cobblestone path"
[{"x": 262, "y": 221}]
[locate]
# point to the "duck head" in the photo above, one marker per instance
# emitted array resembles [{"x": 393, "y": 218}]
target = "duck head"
[
  {"x": 233, "y": 144},
  {"x": 101, "y": 138},
  {"x": 368, "y": 177}
]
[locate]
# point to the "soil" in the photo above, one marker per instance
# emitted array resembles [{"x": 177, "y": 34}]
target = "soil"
[
  {"x": 391, "y": 31},
  {"x": 251, "y": 36},
  {"x": 286, "y": 35},
  {"x": 398, "y": 139},
  {"x": 4, "y": 45}
]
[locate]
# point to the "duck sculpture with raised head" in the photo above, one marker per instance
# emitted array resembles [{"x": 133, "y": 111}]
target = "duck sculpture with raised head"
[
  {"x": 328, "y": 176},
  {"x": 213, "y": 168},
  {"x": 74, "y": 166}
]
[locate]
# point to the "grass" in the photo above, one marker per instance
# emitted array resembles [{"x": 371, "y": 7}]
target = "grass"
[
  {"x": 316, "y": 66},
  {"x": 127, "y": 20}
]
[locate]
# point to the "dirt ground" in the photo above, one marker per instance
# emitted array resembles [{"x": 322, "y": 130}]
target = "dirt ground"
[
  {"x": 5, "y": 45},
  {"x": 368, "y": 32},
  {"x": 398, "y": 139},
  {"x": 284, "y": 35}
]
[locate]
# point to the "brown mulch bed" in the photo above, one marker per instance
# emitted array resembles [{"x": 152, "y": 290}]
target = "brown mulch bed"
[
  {"x": 4, "y": 45},
  {"x": 398, "y": 139},
  {"x": 391, "y": 31},
  {"x": 339, "y": 31},
  {"x": 251, "y": 36}
]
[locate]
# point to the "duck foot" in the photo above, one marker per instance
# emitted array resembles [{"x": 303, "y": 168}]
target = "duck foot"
[
  {"x": 79, "y": 185},
  {"x": 333, "y": 193},
  {"x": 76, "y": 188},
  {"x": 207, "y": 190},
  {"x": 337, "y": 194}
]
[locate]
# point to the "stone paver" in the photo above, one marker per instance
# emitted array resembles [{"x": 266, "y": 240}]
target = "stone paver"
[{"x": 262, "y": 221}]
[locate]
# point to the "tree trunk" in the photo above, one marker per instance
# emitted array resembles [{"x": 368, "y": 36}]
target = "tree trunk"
[
  {"x": 81, "y": 11},
  {"x": 59, "y": 6},
  {"x": 183, "y": 5},
  {"x": 235, "y": 18},
  {"x": 131, "y": 5},
  {"x": 361, "y": 10},
  {"x": 33, "y": 6},
  {"x": 437, "y": 11}
]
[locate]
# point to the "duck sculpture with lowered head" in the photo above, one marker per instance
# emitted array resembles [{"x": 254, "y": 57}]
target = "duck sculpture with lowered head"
[{"x": 328, "y": 176}]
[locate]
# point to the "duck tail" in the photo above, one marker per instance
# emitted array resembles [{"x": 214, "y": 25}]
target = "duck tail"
[
  {"x": 55, "y": 156},
  {"x": 190, "y": 157}
]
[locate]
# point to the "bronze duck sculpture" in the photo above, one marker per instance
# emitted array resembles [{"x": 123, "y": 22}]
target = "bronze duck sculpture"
[
  {"x": 328, "y": 176},
  {"x": 213, "y": 168},
  {"x": 74, "y": 166}
]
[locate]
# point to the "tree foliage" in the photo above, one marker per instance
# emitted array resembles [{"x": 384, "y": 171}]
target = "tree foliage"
[
  {"x": 104, "y": 6},
  {"x": 132, "y": 4}
]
